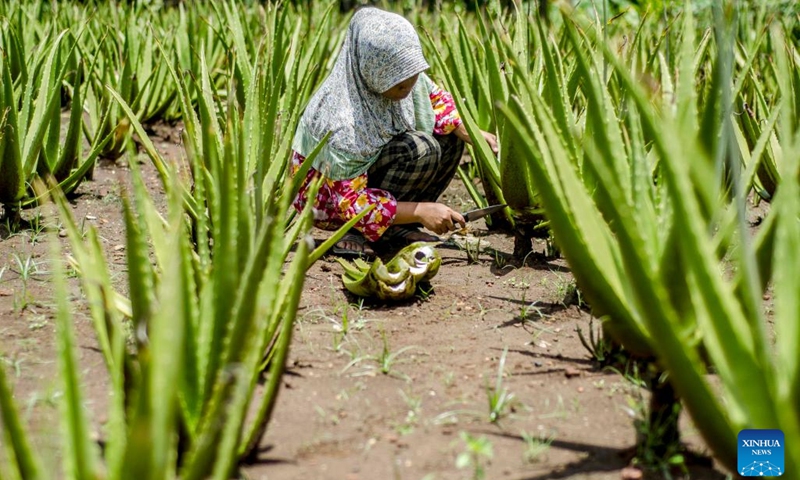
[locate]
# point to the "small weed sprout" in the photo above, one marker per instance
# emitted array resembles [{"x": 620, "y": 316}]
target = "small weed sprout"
[
  {"x": 344, "y": 322},
  {"x": 424, "y": 292},
  {"x": 449, "y": 379},
  {"x": 653, "y": 449},
  {"x": 473, "y": 251},
  {"x": 37, "y": 323},
  {"x": 26, "y": 269},
  {"x": 501, "y": 401},
  {"x": 15, "y": 363},
  {"x": 37, "y": 227},
  {"x": 550, "y": 248},
  {"x": 562, "y": 285},
  {"x": 559, "y": 412},
  {"x": 482, "y": 311},
  {"x": 414, "y": 404},
  {"x": 576, "y": 405},
  {"x": 500, "y": 260},
  {"x": 573, "y": 296},
  {"x": 11, "y": 222},
  {"x": 478, "y": 451},
  {"x": 386, "y": 360},
  {"x": 535, "y": 446},
  {"x": 596, "y": 345},
  {"x": 513, "y": 282},
  {"x": 527, "y": 309}
]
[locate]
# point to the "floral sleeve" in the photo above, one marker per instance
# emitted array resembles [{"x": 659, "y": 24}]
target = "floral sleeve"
[
  {"x": 338, "y": 201},
  {"x": 447, "y": 117}
]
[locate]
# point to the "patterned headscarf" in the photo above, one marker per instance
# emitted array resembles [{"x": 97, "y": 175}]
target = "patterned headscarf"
[{"x": 380, "y": 50}]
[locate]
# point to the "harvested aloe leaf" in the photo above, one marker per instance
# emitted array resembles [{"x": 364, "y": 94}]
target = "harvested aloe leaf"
[{"x": 396, "y": 279}]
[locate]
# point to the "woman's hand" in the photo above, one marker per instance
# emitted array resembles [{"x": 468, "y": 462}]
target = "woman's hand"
[
  {"x": 438, "y": 218},
  {"x": 491, "y": 139}
]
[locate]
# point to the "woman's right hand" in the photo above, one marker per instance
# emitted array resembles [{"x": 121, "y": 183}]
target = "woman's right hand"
[{"x": 438, "y": 218}]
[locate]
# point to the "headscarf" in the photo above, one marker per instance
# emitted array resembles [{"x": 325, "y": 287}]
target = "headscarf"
[{"x": 380, "y": 50}]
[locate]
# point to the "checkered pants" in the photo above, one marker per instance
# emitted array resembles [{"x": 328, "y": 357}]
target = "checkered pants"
[{"x": 416, "y": 166}]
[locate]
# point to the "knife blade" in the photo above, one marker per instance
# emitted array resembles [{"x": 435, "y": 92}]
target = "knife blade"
[{"x": 473, "y": 215}]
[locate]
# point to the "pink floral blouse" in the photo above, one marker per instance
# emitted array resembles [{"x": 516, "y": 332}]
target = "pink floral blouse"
[{"x": 340, "y": 200}]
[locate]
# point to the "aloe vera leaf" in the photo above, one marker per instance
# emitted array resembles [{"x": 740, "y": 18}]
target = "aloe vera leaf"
[
  {"x": 361, "y": 264},
  {"x": 556, "y": 95},
  {"x": 189, "y": 392},
  {"x": 72, "y": 143},
  {"x": 245, "y": 299},
  {"x": 46, "y": 100},
  {"x": 12, "y": 181},
  {"x": 183, "y": 292},
  {"x": 14, "y": 436},
  {"x": 16, "y": 55},
  {"x": 272, "y": 297},
  {"x": 81, "y": 457},
  {"x": 48, "y": 154},
  {"x": 363, "y": 287},
  {"x": 225, "y": 273},
  {"x": 243, "y": 347},
  {"x": 747, "y": 71},
  {"x": 401, "y": 291},
  {"x": 474, "y": 194},
  {"x": 661, "y": 322},
  {"x": 204, "y": 452},
  {"x": 757, "y": 155},
  {"x": 158, "y": 161},
  {"x": 29, "y": 91},
  {"x": 603, "y": 121},
  {"x": 654, "y": 229},
  {"x": 104, "y": 308},
  {"x": 152, "y": 436},
  {"x": 351, "y": 271},
  {"x": 269, "y": 121},
  {"x": 484, "y": 154},
  {"x": 334, "y": 239},
  {"x": 140, "y": 272},
  {"x": 278, "y": 364},
  {"x": 235, "y": 24},
  {"x": 787, "y": 304}
]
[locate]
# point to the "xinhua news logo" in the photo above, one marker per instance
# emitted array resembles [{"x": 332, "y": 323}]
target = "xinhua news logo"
[{"x": 760, "y": 453}]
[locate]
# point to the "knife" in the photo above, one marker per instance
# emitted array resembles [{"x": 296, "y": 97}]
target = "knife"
[{"x": 481, "y": 212}]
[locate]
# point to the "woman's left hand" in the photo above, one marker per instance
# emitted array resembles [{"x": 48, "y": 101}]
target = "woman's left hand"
[{"x": 491, "y": 139}]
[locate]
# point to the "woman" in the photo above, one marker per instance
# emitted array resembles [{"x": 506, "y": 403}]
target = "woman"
[{"x": 396, "y": 138}]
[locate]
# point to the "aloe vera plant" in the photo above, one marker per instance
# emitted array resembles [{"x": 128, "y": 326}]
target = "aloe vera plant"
[
  {"x": 31, "y": 145},
  {"x": 164, "y": 419},
  {"x": 480, "y": 63},
  {"x": 113, "y": 63},
  {"x": 647, "y": 254},
  {"x": 471, "y": 68},
  {"x": 224, "y": 321},
  {"x": 757, "y": 98}
]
